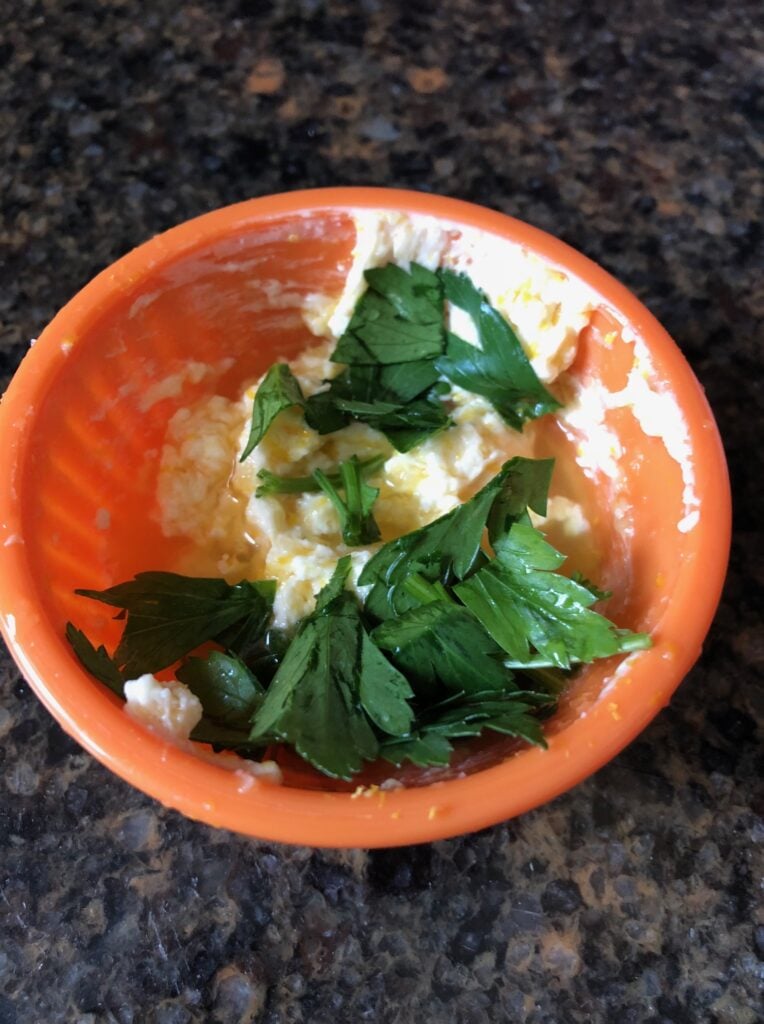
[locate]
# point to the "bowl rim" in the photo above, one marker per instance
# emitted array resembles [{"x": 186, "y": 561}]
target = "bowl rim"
[{"x": 213, "y": 794}]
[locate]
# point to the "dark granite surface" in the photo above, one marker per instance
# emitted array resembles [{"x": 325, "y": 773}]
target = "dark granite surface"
[{"x": 634, "y": 132}]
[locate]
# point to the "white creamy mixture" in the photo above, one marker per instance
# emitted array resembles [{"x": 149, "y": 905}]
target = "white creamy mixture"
[
  {"x": 655, "y": 408},
  {"x": 205, "y": 494},
  {"x": 172, "y": 711}
]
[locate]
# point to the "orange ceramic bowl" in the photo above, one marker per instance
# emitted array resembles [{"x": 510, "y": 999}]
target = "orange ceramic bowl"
[{"x": 81, "y": 427}]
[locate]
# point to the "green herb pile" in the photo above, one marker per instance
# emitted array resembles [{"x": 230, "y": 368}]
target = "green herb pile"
[{"x": 467, "y": 625}]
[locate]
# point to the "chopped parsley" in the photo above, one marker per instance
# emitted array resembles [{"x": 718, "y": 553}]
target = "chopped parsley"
[
  {"x": 467, "y": 625},
  {"x": 357, "y": 522},
  {"x": 169, "y": 615},
  {"x": 96, "y": 660},
  {"x": 361, "y": 394},
  {"x": 400, "y": 361},
  {"x": 529, "y": 609},
  {"x": 278, "y": 390},
  {"x": 440, "y": 658},
  {"x": 272, "y": 483},
  {"x": 467, "y": 716},
  {"x": 333, "y": 686},
  {"x": 499, "y": 369},
  {"x": 398, "y": 319},
  {"x": 442, "y": 644},
  {"x": 449, "y": 548},
  {"x": 390, "y": 347}
]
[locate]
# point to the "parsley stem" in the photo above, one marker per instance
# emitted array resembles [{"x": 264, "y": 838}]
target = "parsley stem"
[
  {"x": 533, "y": 664},
  {"x": 422, "y": 590},
  {"x": 627, "y": 643},
  {"x": 354, "y": 511},
  {"x": 351, "y": 480},
  {"x": 275, "y": 484},
  {"x": 550, "y": 680},
  {"x": 635, "y": 642},
  {"x": 553, "y": 679}
]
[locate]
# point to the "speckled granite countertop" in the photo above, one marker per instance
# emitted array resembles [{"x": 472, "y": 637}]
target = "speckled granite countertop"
[{"x": 634, "y": 137}]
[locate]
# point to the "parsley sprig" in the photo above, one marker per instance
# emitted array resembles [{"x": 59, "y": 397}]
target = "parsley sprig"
[
  {"x": 468, "y": 626},
  {"x": 357, "y": 521},
  {"x": 460, "y": 717},
  {"x": 530, "y": 609},
  {"x": 400, "y": 362},
  {"x": 273, "y": 483},
  {"x": 334, "y": 687},
  {"x": 169, "y": 615},
  {"x": 499, "y": 369},
  {"x": 279, "y": 390},
  {"x": 390, "y": 346}
]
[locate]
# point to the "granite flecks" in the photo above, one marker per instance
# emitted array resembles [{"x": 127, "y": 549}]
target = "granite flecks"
[
  {"x": 633, "y": 132},
  {"x": 634, "y": 893}
]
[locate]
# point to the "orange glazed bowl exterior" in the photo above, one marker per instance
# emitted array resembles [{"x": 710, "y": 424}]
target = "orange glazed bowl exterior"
[{"x": 81, "y": 430}]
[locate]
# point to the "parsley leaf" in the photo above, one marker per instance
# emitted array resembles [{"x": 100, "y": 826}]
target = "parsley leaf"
[
  {"x": 245, "y": 638},
  {"x": 390, "y": 344},
  {"x": 525, "y": 605},
  {"x": 427, "y": 748},
  {"x": 356, "y": 519},
  {"x": 450, "y": 547},
  {"x": 383, "y": 691},
  {"x": 265, "y": 656},
  {"x": 331, "y": 686},
  {"x": 401, "y": 400},
  {"x": 599, "y": 595},
  {"x": 169, "y": 615},
  {"x": 275, "y": 484},
  {"x": 526, "y": 486},
  {"x": 229, "y": 693},
  {"x": 405, "y": 426},
  {"x": 398, "y": 319},
  {"x": 96, "y": 660},
  {"x": 279, "y": 390},
  {"x": 224, "y": 737},
  {"x": 430, "y": 744},
  {"x": 321, "y": 412},
  {"x": 401, "y": 382},
  {"x": 416, "y": 294},
  {"x": 335, "y": 588},
  {"x": 312, "y": 703},
  {"x": 442, "y": 642},
  {"x": 499, "y": 369}
]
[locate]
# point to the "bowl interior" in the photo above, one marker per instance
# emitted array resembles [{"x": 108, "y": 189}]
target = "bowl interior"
[{"x": 209, "y": 315}]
